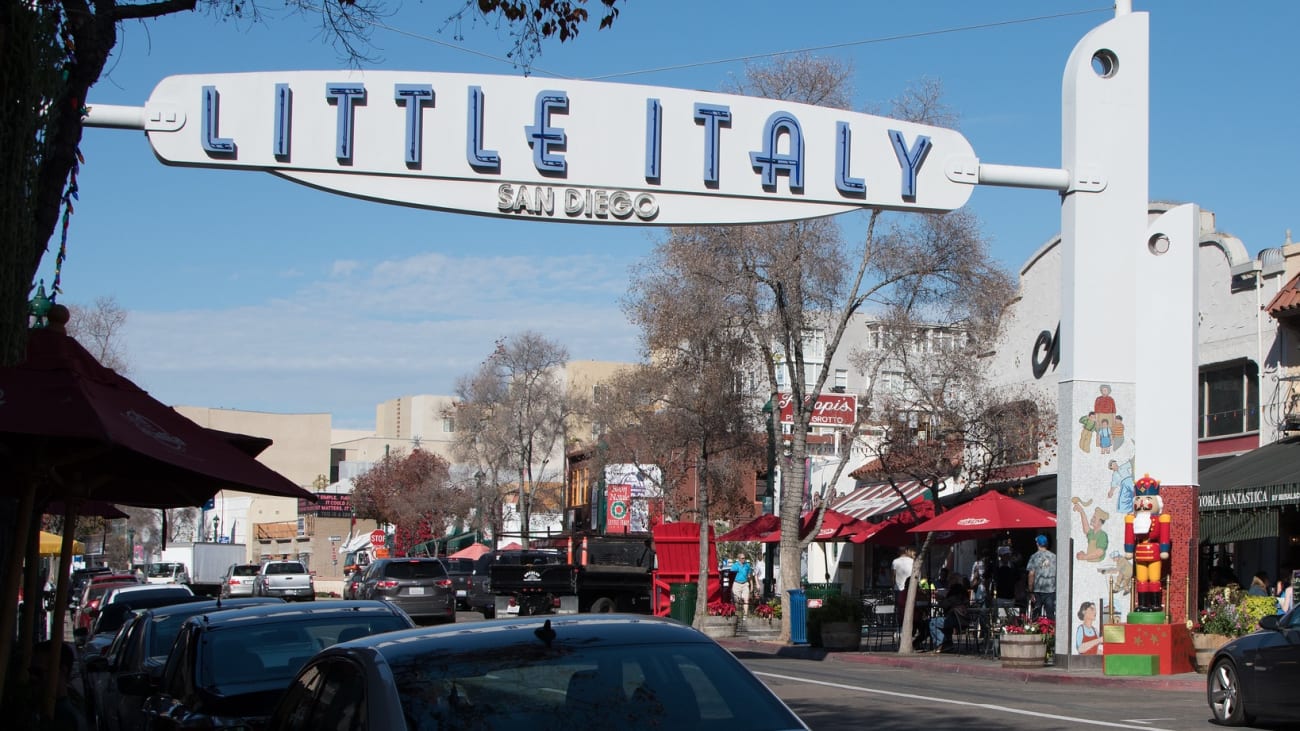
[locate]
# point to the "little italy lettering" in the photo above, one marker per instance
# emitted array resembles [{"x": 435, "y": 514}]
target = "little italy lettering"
[{"x": 552, "y": 149}]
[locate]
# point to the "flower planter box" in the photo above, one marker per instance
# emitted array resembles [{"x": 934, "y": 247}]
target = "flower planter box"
[
  {"x": 1023, "y": 650},
  {"x": 719, "y": 627},
  {"x": 841, "y": 636}
]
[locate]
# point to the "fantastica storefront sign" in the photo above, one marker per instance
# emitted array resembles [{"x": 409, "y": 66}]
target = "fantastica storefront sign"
[
  {"x": 547, "y": 149},
  {"x": 1251, "y": 497}
]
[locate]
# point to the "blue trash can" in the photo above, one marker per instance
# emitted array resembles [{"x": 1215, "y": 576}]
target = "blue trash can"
[{"x": 798, "y": 617}]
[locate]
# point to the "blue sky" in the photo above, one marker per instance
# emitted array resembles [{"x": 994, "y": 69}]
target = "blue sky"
[{"x": 246, "y": 291}]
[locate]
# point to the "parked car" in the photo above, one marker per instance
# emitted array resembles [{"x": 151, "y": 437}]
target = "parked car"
[
  {"x": 91, "y": 597},
  {"x": 287, "y": 579},
  {"x": 137, "y": 655},
  {"x": 420, "y": 586},
  {"x": 239, "y": 579},
  {"x": 112, "y": 616},
  {"x": 461, "y": 573},
  {"x": 80, "y": 578},
  {"x": 352, "y": 584},
  {"x": 576, "y": 671},
  {"x": 142, "y": 591},
  {"x": 1256, "y": 676},
  {"x": 229, "y": 668}
]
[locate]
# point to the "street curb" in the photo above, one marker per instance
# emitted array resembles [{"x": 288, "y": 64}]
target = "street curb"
[{"x": 967, "y": 665}]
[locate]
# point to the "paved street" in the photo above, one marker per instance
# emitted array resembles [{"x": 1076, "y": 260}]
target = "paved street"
[{"x": 832, "y": 691}]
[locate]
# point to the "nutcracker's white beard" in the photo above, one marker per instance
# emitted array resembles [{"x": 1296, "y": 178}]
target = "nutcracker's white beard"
[{"x": 1142, "y": 522}]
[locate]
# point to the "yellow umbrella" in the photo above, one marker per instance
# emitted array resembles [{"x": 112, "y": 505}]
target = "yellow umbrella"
[{"x": 51, "y": 544}]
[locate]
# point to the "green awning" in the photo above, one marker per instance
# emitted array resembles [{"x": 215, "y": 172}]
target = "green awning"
[{"x": 1223, "y": 526}]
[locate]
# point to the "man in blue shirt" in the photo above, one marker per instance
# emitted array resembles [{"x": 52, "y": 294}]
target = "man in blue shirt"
[{"x": 740, "y": 584}]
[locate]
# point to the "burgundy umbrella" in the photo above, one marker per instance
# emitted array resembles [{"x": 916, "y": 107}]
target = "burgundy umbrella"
[
  {"x": 988, "y": 513},
  {"x": 894, "y": 531},
  {"x": 73, "y": 430},
  {"x": 87, "y": 432}
]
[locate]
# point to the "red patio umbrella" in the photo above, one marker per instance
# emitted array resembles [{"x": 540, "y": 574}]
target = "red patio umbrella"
[
  {"x": 473, "y": 550},
  {"x": 988, "y": 513},
  {"x": 836, "y": 526},
  {"x": 894, "y": 530},
  {"x": 511, "y": 546},
  {"x": 754, "y": 530}
]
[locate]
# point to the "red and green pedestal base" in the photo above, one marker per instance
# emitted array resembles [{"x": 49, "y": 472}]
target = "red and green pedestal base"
[{"x": 1147, "y": 645}]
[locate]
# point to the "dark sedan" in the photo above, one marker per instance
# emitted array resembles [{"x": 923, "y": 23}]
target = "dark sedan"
[
  {"x": 136, "y": 658},
  {"x": 229, "y": 668},
  {"x": 571, "y": 672},
  {"x": 420, "y": 586},
  {"x": 1256, "y": 676}
]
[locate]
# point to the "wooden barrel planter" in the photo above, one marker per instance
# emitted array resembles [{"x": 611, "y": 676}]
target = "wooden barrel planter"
[
  {"x": 1023, "y": 651},
  {"x": 1206, "y": 645}
]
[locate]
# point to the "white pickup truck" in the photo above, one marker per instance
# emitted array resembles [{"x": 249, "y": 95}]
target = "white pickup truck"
[{"x": 285, "y": 579}]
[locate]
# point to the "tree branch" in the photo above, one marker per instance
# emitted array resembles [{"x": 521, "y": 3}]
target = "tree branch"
[{"x": 151, "y": 10}]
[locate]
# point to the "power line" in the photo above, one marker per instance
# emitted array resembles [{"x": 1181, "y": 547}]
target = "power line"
[{"x": 832, "y": 46}]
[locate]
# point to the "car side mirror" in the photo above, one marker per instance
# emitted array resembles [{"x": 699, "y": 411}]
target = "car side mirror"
[
  {"x": 1268, "y": 622},
  {"x": 136, "y": 684}
]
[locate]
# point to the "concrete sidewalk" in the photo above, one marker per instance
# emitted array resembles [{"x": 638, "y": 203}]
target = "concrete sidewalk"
[{"x": 971, "y": 664}]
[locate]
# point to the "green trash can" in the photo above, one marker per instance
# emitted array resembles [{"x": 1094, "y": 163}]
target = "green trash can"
[
  {"x": 682, "y": 598},
  {"x": 821, "y": 591}
]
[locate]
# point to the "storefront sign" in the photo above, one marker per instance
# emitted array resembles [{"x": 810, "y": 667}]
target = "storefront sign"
[
  {"x": 555, "y": 150},
  {"x": 830, "y": 409},
  {"x": 1251, "y": 497}
]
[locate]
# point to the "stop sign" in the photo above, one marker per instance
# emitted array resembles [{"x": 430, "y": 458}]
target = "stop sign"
[{"x": 377, "y": 537}]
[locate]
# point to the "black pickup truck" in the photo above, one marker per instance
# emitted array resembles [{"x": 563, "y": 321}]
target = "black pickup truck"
[{"x": 608, "y": 574}]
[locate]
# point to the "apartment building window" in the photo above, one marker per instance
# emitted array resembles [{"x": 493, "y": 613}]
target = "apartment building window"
[
  {"x": 782, "y": 377},
  {"x": 448, "y": 424},
  {"x": 814, "y": 346},
  {"x": 841, "y": 380},
  {"x": 1229, "y": 399},
  {"x": 892, "y": 382}
]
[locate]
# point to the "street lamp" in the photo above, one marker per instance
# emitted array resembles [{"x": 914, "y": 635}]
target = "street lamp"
[
  {"x": 130, "y": 549},
  {"x": 216, "y": 527}
]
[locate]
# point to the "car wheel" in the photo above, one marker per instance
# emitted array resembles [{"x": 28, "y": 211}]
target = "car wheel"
[
  {"x": 603, "y": 605},
  {"x": 1224, "y": 693}
]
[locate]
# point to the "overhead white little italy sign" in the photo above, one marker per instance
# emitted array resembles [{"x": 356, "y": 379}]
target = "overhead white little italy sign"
[{"x": 555, "y": 150}]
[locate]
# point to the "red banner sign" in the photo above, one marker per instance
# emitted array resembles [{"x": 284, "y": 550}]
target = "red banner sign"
[
  {"x": 830, "y": 409},
  {"x": 619, "y": 513}
]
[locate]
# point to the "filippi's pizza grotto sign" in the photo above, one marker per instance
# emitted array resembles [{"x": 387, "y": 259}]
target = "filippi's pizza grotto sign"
[{"x": 547, "y": 149}]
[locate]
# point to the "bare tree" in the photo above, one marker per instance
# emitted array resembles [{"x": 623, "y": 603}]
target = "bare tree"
[
  {"x": 803, "y": 279},
  {"x": 938, "y": 421},
  {"x": 98, "y": 328},
  {"x": 512, "y": 416}
]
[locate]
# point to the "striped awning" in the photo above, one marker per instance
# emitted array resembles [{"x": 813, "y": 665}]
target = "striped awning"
[
  {"x": 1220, "y": 527},
  {"x": 875, "y": 500}
]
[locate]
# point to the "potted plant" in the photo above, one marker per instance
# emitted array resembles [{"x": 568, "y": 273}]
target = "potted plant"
[
  {"x": 1229, "y": 613},
  {"x": 769, "y": 610},
  {"x": 720, "y": 621},
  {"x": 1026, "y": 642},
  {"x": 836, "y": 624}
]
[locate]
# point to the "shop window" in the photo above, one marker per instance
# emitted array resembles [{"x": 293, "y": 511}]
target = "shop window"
[{"x": 1229, "y": 400}]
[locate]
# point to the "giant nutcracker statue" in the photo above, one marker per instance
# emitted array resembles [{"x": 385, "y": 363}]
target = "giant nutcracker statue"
[{"x": 1146, "y": 543}]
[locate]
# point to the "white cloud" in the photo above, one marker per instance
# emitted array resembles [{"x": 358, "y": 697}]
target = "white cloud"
[{"x": 344, "y": 343}]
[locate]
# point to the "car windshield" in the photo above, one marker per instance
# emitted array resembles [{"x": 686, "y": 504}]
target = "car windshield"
[
  {"x": 653, "y": 686},
  {"x": 238, "y": 658},
  {"x": 161, "y": 570},
  {"x": 414, "y": 570},
  {"x": 244, "y": 571}
]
